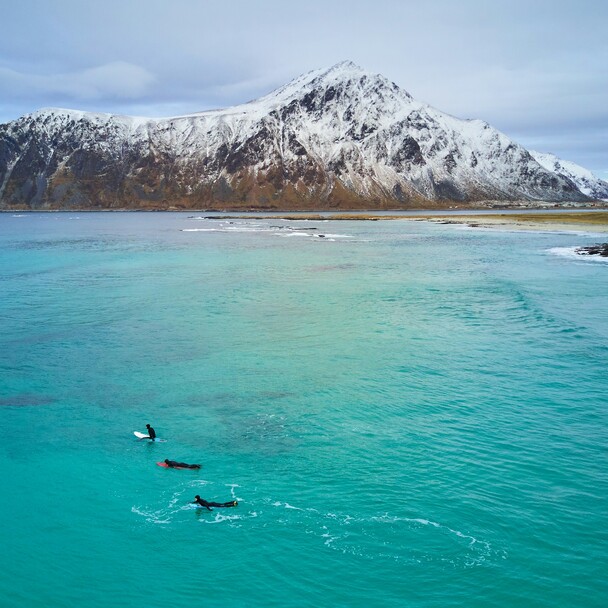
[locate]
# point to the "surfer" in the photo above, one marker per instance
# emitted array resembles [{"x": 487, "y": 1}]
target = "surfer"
[
  {"x": 203, "y": 503},
  {"x": 182, "y": 465},
  {"x": 151, "y": 432}
]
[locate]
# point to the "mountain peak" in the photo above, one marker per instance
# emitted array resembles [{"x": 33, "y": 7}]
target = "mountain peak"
[
  {"x": 339, "y": 136},
  {"x": 347, "y": 63},
  {"x": 344, "y": 71},
  {"x": 346, "y": 76},
  {"x": 344, "y": 67}
]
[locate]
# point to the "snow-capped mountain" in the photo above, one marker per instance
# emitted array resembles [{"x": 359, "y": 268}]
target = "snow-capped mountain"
[
  {"x": 335, "y": 138},
  {"x": 584, "y": 180}
]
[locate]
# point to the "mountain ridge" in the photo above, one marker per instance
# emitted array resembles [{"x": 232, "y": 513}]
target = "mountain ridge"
[{"x": 340, "y": 137}]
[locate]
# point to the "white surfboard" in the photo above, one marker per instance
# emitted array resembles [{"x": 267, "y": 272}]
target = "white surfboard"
[{"x": 144, "y": 436}]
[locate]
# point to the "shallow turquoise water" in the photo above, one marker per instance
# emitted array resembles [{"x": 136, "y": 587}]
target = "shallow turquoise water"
[{"x": 410, "y": 414}]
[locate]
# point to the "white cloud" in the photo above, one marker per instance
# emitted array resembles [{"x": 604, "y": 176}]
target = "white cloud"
[
  {"x": 117, "y": 80},
  {"x": 535, "y": 70}
]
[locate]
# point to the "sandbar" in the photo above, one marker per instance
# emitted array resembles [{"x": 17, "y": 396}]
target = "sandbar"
[
  {"x": 595, "y": 221},
  {"x": 550, "y": 221}
]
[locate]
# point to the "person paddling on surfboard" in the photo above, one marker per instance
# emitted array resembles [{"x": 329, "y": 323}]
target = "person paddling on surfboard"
[
  {"x": 182, "y": 465},
  {"x": 151, "y": 432},
  {"x": 203, "y": 503}
]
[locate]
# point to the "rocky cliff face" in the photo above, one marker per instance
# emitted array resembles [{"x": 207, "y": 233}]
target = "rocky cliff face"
[{"x": 337, "y": 138}]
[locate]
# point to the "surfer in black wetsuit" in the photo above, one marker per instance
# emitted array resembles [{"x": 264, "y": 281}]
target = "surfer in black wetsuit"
[
  {"x": 183, "y": 465},
  {"x": 151, "y": 432},
  {"x": 203, "y": 503}
]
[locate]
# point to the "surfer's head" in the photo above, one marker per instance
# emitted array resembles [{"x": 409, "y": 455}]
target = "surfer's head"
[
  {"x": 147, "y": 426},
  {"x": 197, "y": 497},
  {"x": 166, "y": 461}
]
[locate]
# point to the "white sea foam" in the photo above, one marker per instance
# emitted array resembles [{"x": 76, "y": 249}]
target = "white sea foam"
[
  {"x": 337, "y": 236},
  {"x": 221, "y": 518},
  {"x": 570, "y": 252},
  {"x": 236, "y": 228},
  {"x": 224, "y": 229},
  {"x": 154, "y": 517},
  {"x": 425, "y": 522},
  {"x": 198, "y": 482},
  {"x": 286, "y": 505},
  {"x": 283, "y": 231},
  {"x": 338, "y": 532}
]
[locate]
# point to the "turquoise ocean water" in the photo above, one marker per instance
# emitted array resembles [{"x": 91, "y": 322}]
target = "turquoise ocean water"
[{"x": 409, "y": 414}]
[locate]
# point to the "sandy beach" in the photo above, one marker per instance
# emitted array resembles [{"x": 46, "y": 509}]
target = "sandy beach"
[
  {"x": 596, "y": 221},
  {"x": 544, "y": 221}
]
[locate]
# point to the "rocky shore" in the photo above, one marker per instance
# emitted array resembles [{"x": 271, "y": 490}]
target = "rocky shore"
[{"x": 601, "y": 250}]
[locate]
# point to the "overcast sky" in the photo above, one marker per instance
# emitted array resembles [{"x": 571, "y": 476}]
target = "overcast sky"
[{"x": 536, "y": 69}]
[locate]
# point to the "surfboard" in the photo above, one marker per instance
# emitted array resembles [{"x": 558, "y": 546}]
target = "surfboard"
[
  {"x": 166, "y": 466},
  {"x": 144, "y": 436}
]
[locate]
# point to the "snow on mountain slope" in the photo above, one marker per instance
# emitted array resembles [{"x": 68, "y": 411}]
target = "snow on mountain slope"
[
  {"x": 340, "y": 137},
  {"x": 585, "y": 181}
]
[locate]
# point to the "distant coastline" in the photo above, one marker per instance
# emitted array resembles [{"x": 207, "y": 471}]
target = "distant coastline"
[
  {"x": 546, "y": 219},
  {"x": 537, "y": 221}
]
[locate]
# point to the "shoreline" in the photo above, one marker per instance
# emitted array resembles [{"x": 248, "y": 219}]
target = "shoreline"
[
  {"x": 537, "y": 220},
  {"x": 595, "y": 221}
]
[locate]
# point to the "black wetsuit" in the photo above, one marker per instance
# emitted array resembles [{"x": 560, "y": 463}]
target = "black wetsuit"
[
  {"x": 151, "y": 432},
  {"x": 203, "y": 503},
  {"x": 183, "y": 465}
]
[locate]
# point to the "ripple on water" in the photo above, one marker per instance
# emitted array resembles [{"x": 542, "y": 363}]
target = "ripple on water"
[{"x": 26, "y": 400}]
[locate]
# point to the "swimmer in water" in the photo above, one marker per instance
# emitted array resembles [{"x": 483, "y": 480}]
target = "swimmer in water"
[
  {"x": 183, "y": 465},
  {"x": 203, "y": 503}
]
